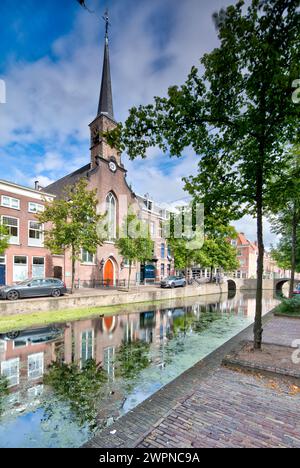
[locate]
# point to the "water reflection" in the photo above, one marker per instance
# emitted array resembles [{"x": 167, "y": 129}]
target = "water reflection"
[{"x": 66, "y": 380}]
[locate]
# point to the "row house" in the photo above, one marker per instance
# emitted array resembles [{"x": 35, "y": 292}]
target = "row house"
[
  {"x": 247, "y": 252},
  {"x": 26, "y": 256},
  {"x": 156, "y": 216}
]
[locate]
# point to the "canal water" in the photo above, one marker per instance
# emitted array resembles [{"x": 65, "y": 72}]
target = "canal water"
[{"x": 62, "y": 383}]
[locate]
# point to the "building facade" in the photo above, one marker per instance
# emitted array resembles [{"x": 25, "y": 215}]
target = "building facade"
[
  {"x": 26, "y": 256},
  {"x": 247, "y": 252}
]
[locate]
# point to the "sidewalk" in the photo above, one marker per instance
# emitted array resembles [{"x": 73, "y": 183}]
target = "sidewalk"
[{"x": 212, "y": 406}]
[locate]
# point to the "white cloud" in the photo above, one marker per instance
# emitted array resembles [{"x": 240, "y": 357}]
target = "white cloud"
[
  {"x": 50, "y": 162},
  {"x": 51, "y": 102},
  {"x": 247, "y": 225}
]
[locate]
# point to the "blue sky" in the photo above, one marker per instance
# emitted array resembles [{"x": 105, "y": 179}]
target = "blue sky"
[{"x": 51, "y": 59}]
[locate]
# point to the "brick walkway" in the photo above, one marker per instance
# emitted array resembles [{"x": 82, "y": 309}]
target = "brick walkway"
[
  {"x": 212, "y": 406},
  {"x": 282, "y": 331},
  {"x": 230, "y": 409}
]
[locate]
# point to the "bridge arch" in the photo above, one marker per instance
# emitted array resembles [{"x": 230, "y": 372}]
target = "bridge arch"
[
  {"x": 231, "y": 285},
  {"x": 280, "y": 282}
]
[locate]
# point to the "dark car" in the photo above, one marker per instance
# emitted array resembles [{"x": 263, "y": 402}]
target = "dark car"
[
  {"x": 173, "y": 282},
  {"x": 32, "y": 335},
  {"x": 34, "y": 288},
  {"x": 297, "y": 289}
]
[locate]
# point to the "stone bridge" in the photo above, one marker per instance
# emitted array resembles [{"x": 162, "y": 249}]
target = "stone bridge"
[{"x": 250, "y": 284}]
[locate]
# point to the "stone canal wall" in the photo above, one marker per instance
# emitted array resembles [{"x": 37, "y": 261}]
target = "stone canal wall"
[{"x": 92, "y": 298}]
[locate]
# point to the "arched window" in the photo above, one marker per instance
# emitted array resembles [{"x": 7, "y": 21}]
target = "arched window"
[{"x": 111, "y": 209}]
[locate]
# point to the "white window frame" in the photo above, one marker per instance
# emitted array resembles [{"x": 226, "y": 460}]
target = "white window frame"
[
  {"x": 39, "y": 208},
  {"x": 11, "y": 201},
  {"x": 31, "y": 242},
  {"x": 14, "y": 257},
  {"x": 152, "y": 229},
  {"x": 15, "y": 240},
  {"x": 10, "y": 362},
  {"x": 109, "y": 364},
  {"x": 111, "y": 234},
  {"x": 83, "y": 262},
  {"x": 39, "y": 357},
  {"x": 82, "y": 361},
  {"x": 3, "y": 256},
  {"x": 32, "y": 264}
]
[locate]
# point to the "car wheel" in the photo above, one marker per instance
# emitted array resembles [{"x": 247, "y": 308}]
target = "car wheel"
[
  {"x": 184, "y": 285},
  {"x": 13, "y": 335},
  {"x": 56, "y": 293},
  {"x": 12, "y": 295},
  {"x": 173, "y": 285}
]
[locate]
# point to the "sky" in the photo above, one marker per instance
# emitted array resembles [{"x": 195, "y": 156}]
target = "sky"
[{"x": 51, "y": 60}]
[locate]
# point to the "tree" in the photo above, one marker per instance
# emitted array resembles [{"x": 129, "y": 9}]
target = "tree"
[
  {"x": 72, "y": 223},
  {"x": 216, "y": 252},
  {"x": 132, "y": 357},
  {"x": 219, "y": 253},
  {"x": 4, "y": 391},
  {"x": 82, "y": 387},
  {"x": 238, "y": 116},
  {"x": 4, "y": 239},
  {"x": 285, "y": 203},
  {"x": 282, "y": 253},
  {"x": 134, "y": 242}
]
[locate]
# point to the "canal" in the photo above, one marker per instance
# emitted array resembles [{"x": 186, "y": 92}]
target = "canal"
[{"x": 62, "y": 383}]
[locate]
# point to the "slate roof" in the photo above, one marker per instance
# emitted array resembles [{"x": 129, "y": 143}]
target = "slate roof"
[{"x": 58, "y": 187}]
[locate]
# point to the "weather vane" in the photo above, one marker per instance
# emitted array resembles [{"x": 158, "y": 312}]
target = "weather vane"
[{"x": 107, "y": 23}]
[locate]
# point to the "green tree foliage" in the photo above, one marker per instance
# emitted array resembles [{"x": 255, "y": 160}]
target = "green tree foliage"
[
  {"x": 210, "y": 251},
  {"x": 238, "y": 116},
  {"x": 134, "y": 242},
  {"x": 282, "y": 253},
  {"x": 131, "y": 358},
  {"x": 82, "y": 388},
  {"x": 285, "y": 203},
  {"x": 72, "y": 223},
  {"x": 3, "y": 392},
  {"x": 4, "y": 239}
]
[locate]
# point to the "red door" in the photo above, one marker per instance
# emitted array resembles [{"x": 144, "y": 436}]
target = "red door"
[{"x": 109, "y": 273}]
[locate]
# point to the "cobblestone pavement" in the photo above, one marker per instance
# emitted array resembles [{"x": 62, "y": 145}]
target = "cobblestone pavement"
[
  {"x": 230, "y": 409},
  {"x": 212, "y": 406},
  {"x": 282, "y": 331}
]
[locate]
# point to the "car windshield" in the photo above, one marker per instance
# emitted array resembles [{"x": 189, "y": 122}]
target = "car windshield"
[{"x": 172, "y": 278}]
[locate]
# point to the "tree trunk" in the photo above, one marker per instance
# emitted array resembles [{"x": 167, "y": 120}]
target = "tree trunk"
[
  {"x": 294, "y": 247},
  {"x": 260, "y": 263},
  {"x": 73, "y": 271},
  {"x": 129, "y": 274},
  {"x": 211, "y": 275}
]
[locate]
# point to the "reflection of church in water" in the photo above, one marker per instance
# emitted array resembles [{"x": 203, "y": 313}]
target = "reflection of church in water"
[{"x": 25, "y": 356}]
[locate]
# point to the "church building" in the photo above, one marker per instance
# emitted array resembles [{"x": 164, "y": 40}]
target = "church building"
[{"x": 106, "y": 173}]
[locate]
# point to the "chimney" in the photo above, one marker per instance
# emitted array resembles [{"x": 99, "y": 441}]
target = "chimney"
[{"x": 36, "y": 185}]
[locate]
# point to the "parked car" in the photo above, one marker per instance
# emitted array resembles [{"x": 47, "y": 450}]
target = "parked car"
[
  {"x": 297, "y": 289},
  {"x": 173, "y": 282},
  {"x": 32, "y": 335},
  {"x": 34, "y": 288}
]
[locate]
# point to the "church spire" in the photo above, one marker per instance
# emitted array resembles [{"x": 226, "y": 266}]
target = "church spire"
[{"x": 106, "y": 102}]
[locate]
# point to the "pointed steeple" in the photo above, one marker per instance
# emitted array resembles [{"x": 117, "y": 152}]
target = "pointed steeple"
[{"x": 106, "y": 101}]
